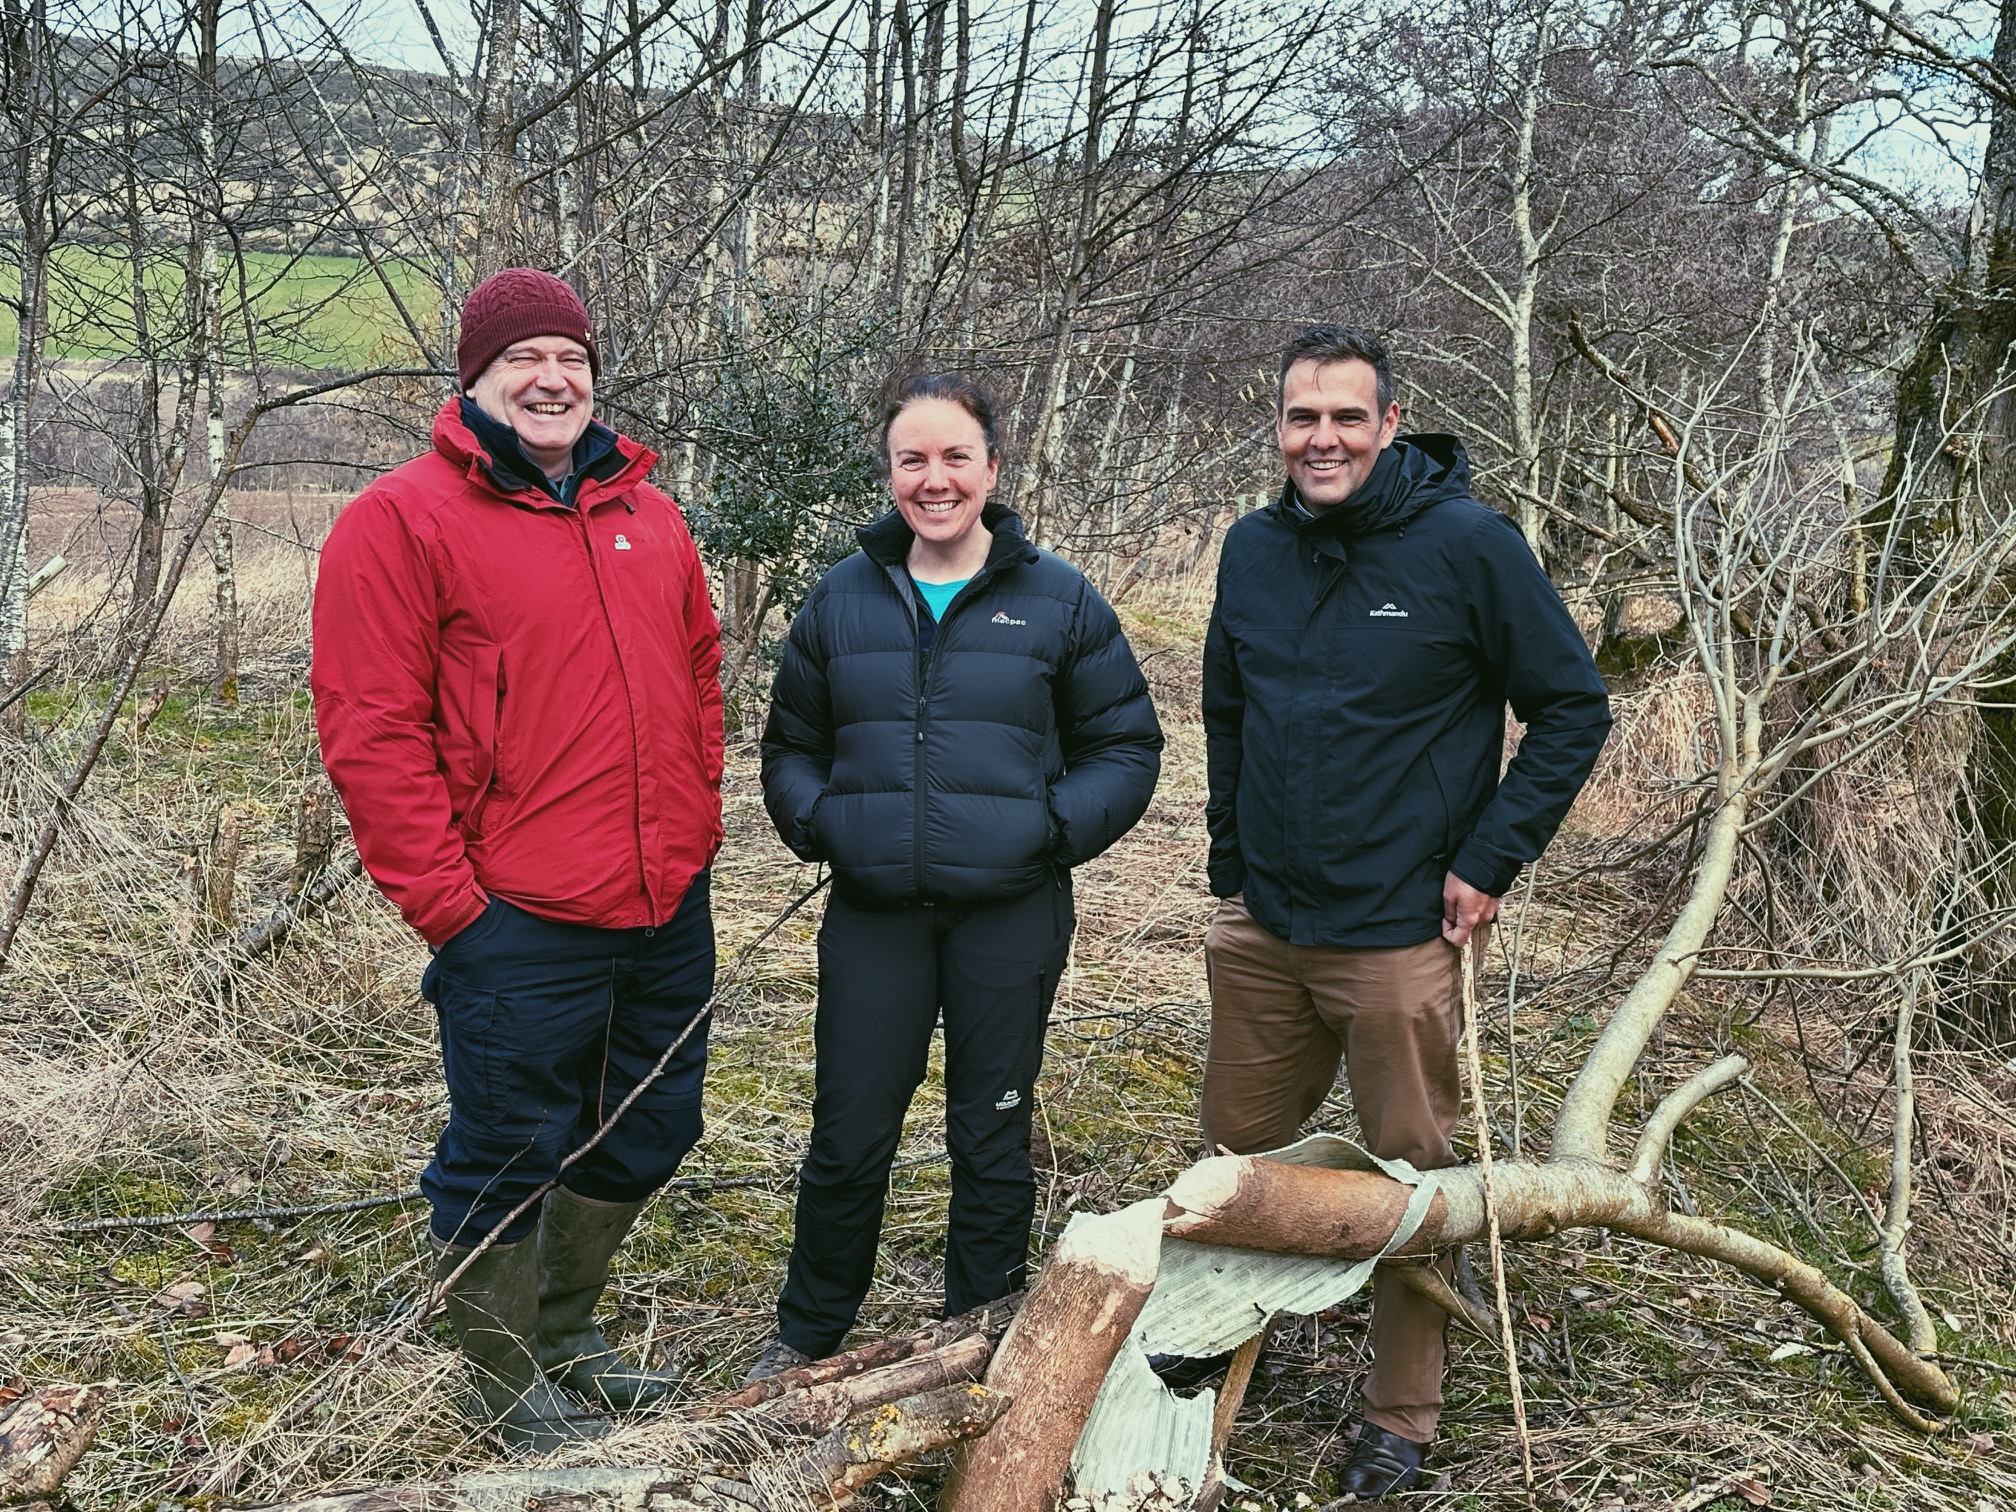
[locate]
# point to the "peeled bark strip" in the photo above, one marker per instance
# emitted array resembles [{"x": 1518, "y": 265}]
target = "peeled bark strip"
[
  {"x": 1054, "y": 1360},
  {"x": 42, "y": 1436}
]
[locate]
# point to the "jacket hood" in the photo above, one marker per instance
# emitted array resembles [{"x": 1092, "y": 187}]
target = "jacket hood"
[
  {"x": 887, "y": 540},
  {"x": 622, "y": 467},
  {"x": 1415, "y": 473}
]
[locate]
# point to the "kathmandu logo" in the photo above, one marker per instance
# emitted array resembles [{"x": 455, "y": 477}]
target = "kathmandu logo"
[
  {"x": 1009, "y": 1099},
  {"x": 1389, "y": 611},
  {"x": 622, "y": 543},
  {"x": 1004, "y": 619}
]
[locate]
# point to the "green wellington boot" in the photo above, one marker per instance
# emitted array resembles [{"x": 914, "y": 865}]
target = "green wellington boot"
[
  {"x": 577, "y": 1235},
  {"x": 494, "y": 1308}
]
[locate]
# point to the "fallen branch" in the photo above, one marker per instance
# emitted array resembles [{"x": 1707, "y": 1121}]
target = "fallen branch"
[
  {"x": 46, "y": 574},
  {"x": 1919, "y": 1330},
  {"x": 42, "y": 1436},
  {"x": 824, "y": 1474},
  {"x": 1676, "y": 1105},
  {"x": 818, "y": 1409},
  {"x": 987, "y": 1322},
  {"x": 1252, "y": 1203},
  {"x": 266, "y": 936}
]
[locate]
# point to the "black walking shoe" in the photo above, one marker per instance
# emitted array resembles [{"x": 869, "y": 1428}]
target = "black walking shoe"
[
  {"x": 777, "y": 1357},
  {"x": 1381, "y": 1463}
]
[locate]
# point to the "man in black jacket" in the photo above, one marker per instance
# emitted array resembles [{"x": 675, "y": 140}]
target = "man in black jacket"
[{"x": 1370, "y": 627}]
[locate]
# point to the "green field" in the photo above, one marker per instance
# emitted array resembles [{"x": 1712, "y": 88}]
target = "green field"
[{"x": 313, "y": 312}]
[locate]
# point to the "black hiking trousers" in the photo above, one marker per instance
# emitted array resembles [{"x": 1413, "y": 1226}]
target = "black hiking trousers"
[{"x": 885, "y": 977}]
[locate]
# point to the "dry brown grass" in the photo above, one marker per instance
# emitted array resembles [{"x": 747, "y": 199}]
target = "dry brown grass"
[{"x": 133, "y": 1092}]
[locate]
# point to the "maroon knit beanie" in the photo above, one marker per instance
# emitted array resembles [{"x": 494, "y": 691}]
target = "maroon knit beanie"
[{"x": 516, "y": 305}]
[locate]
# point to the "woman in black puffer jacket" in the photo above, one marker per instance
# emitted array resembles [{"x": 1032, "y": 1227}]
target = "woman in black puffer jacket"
[{"x": 957, "y": 722}]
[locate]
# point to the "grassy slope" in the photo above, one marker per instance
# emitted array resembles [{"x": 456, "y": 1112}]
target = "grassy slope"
[
  {"x": 1646, "y": 1373},
  {"x": 312, "y": 312}
]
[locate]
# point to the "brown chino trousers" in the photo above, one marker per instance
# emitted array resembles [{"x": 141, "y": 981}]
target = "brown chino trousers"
[{"x": 1282, "y": 1017}]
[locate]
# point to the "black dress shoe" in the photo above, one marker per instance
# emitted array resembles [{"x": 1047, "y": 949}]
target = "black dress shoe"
[
  {"x": 1381, "y": 1463},
  {"x": 1188, "y": 1372}
]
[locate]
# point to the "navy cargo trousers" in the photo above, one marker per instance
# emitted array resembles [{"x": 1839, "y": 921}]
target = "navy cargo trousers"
[{"x": 545, "y": 1029}]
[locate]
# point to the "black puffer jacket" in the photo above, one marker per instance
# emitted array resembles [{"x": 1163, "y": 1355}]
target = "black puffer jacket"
[{"x": 1023, "y": 739}]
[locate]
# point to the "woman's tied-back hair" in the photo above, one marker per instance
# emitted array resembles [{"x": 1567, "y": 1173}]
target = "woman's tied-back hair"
[
  {"x": 953, "y": 388},
  {"x": 1332, "y": 342}
]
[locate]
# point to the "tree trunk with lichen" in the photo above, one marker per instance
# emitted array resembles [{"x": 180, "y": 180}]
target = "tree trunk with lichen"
[{"x": 1956, "y": 420}]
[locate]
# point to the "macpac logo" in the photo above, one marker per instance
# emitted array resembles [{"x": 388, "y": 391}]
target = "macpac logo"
[
  {"x": 1001, "y": 618},
  {"x": 622, "y": 543},
  {"x": 1389, "y": 611}
]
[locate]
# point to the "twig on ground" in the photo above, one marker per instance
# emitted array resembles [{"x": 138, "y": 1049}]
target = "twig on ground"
[{"x": 365, "y": 1204}]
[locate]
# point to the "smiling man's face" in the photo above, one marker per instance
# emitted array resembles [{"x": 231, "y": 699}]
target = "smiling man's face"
[
  {"x": 544, "y": 389},
  {"x": 1330, "y": 428}
]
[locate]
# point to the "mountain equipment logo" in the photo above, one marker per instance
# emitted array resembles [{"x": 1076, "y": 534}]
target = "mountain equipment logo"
[
  {"x": 622, "y": 543},
  {"x": 1001, "y": 618},
  {"x": 1389, "y": 611},
  {"x": 1009, "y": 1099}
]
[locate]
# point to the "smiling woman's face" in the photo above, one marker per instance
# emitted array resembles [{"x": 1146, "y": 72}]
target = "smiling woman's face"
[{"x": 939, "y": 470}]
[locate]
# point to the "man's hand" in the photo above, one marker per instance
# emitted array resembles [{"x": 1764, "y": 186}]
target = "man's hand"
[{"x": 1464, "y": 910}]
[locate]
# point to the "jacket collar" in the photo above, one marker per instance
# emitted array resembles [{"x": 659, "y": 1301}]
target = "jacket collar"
[
  {"x": 607, "y": 465},
  {"x": 888, "y": 539},
  {"x": 1413, "y": 474}
]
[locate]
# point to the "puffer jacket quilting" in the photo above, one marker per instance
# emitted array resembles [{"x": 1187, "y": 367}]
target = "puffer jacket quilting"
[{"x": 1022, "y": 741}]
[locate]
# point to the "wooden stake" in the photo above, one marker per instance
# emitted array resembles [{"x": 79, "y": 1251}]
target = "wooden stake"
[{"x": 1465, "y": 964}]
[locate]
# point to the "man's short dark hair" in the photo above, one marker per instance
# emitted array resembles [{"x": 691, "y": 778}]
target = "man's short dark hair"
[{"x": 1334, "y": 342}]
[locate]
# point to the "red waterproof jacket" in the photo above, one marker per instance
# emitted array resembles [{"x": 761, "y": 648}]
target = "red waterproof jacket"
[{"x": 519, "y": 698}]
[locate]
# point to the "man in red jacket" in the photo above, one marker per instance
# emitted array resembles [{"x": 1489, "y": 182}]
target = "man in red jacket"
[{"x": 517, "y": 689}]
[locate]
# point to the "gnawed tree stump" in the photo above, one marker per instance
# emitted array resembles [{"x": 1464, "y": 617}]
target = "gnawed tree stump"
[
  {"x": 1055, "y": 1358},
  {"x": 42, "y": 1436}
]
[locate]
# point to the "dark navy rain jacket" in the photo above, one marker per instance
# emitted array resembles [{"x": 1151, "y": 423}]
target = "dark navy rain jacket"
[{"x": 1356, "y": 673}]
